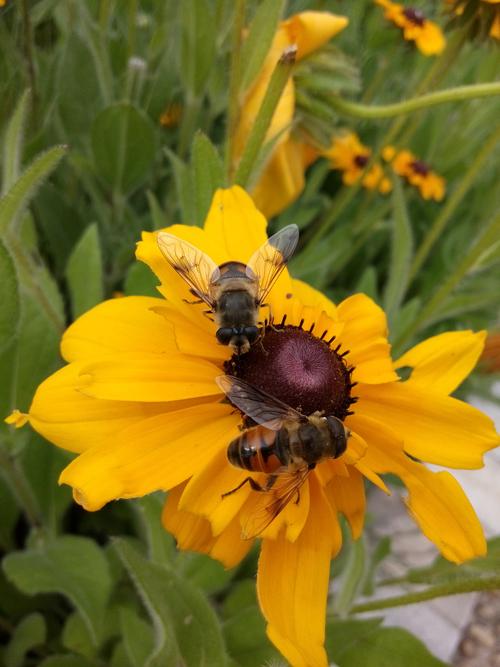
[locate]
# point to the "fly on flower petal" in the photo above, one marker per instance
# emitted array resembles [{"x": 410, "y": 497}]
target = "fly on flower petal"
[{"x": 152, "y": 417}]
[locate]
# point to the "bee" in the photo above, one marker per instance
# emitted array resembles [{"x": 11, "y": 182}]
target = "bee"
[
  {"x": 233, "y": 291},
  {"x": 285, "y": 444}
]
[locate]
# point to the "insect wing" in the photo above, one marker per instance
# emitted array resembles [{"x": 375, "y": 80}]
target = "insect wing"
[
  {"x": 257, "y": 404},
  {"x": 191, "y": 263},
  {"x": 271, "y": 258},
  {"x": 273, "y": 502}
]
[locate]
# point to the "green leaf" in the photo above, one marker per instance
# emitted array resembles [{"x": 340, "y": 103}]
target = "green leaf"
[
  {"x": 245, "y": 635},
  {"x": 14, "y": 202},
  {"x": 161, "y": 545},
  {"x": 444, "y": 572},
  {"x": 157, "y": 215},
  {"x": 10, "y": 514},
  {"x": 67, "y": 661},
  {"x": 206, "y": 573},
  {"x": 138, "y": 637},
  {"x": 354, "y": 643},
  {"x": 123, "y": 146},
  {"x": 352, "y": 577},
  {"x": 84, "y": 272},
  {"x": 183, "y": 186},
  {"x": 13, "y": 142},
  {"x": 9, "y": 298},
  {"x": 401, "y": 253},
  {"x": 381, "y": 551},
  {"x": 260, "y": 36},
  {"x": 187, "y": 630},
  {"x": 197, "y": 25},
  {"x": 70, "y": 565},
  {"x": 208, "y": 174},
  {"x": 76, "y": 636},
  {"x": 30, "y": 632},
  {"x": 140, "y": 280}
]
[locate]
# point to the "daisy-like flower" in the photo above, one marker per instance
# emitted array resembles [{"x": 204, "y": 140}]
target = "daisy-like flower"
[
  {"x": 348, "y": 155},
  {"x": 416, "y": 172},
  {"x": 139, "y": 403},
  {"x": 282, "y": 179},
  {"x": 426, "y": 34}
]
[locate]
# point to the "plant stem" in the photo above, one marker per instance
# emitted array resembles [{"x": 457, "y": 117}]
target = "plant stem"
[
  {"x": 429, "y": 594},
  {"x": 457, "y": 94},
  {"x": 28, "y": 51},
  {"x": 453, "y": 202},
  {"x": 265, "y": 114},
  {"x": 234, "y": 85},
  {"x": 488, "y": 239}
]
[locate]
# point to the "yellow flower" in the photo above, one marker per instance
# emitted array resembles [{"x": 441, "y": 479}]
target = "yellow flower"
[
  {"x": 139, "y": 404},
  {"x": 486, "y": 20},
  {"x": 283, "y": 177},
  {"x": 171, "y": 116},
  {"x": 416, "y": 172},
  {"x": 426, "y": 34},
  {"x": 348, "y": 155}
]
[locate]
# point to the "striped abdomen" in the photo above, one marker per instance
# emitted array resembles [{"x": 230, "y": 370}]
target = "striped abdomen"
[{"x": 260, "y": 450}]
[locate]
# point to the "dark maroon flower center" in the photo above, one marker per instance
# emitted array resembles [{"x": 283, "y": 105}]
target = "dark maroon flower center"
[
  {"x": 414, "y": 15},
  {"x": 420, "y": 167},
  {"x": 361, "y": 160},
  {"x": 305, "y": 372}
]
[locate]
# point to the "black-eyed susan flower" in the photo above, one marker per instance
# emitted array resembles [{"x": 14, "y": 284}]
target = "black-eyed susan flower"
[
  {"x": 348, "y": 155},
  {"x": 139, "y": 404},
  {"x": 283, "y": 177},
  {"x": 416, "y": 27},
  {"x": 417, "y": 172}
]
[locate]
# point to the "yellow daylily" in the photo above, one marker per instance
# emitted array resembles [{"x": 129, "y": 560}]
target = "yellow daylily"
[
  {"x": 283, "y": 177},
  {"x": 139, "y": 404}
]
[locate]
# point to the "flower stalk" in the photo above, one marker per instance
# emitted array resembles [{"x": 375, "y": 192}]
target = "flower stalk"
[
  {"x": 234, "y": 84},
  {"x": 458, "y": 94},
  {"x": 262, "y": 123}
]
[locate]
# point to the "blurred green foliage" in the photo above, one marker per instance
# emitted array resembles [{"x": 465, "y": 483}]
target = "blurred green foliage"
[{"x": 86, "y": 165}]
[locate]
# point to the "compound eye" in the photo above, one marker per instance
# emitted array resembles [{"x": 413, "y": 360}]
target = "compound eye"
[
  {"x": 224, "y": 335},
  {"x": 251, "y": 333}
]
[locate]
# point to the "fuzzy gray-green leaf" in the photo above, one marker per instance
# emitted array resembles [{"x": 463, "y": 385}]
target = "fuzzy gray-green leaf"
[{"x": 84, "y": 272}]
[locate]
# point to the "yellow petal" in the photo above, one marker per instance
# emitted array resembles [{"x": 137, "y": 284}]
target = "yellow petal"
[
  {"x": 445, "y": 515},
  {"x": 235, "y": 224},
  {"x": 154, "y": 454},
  {"x": 76, "y": 422},
  {"x": 430, "y": 39},
  {"x": 203, "y": 494},
  {"x": 310, "y": 296},
  {"x": 193, "y": 533},
  {"x": 292, "y": 585},
  {"x": 348, "y": 494},
  {"x": 311, "y": 30},
  {"x": 282, "y": 180},
  {"x": 365, "y": 336},
  {"x": 126, "y": 325},
  {"x": 436, "y": 501},
  {"x": 17, "y": 418},
  {"x": 444, "y": 361},
  {"x": 149, "y": 378},
  {"x": 435, "y": 428}
]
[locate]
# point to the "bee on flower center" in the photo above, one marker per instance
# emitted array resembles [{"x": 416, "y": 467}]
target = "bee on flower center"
[
  {"x": 233, "y": 291},
  {"x": 285, "y": 444}
]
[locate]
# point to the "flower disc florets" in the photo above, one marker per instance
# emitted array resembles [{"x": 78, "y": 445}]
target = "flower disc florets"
[{"x": 306, "y": 372}]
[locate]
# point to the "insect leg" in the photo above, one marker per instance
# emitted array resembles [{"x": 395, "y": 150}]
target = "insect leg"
[{"x": 255, "y": 486}]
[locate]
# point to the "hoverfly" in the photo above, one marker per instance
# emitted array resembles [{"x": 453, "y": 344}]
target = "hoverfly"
[
  {"x": 285, "y": 444},
  {"x": 233, "y": 291}
]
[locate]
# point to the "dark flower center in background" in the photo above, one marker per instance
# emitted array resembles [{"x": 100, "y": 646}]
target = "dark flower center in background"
[
  {"x": 361, "y": 160},
  {"x": 415, "y": 16},
  {"x": 305, "y": 372},
  {"x": 420, "y": 167}
]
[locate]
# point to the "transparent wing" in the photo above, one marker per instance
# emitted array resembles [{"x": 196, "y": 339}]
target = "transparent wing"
[
  {"x": 191, "y": 263},
  {"x": 271, "y": 258},
  {"x": 285, "y": 489},
  {"x": 257, "y": 404}
]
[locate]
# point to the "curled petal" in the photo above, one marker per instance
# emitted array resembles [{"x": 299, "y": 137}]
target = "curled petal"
[
  {"x": 193, "y": 533},
  {"x": 444, "y": 361},
  {"x": 311, "y": 30}
]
